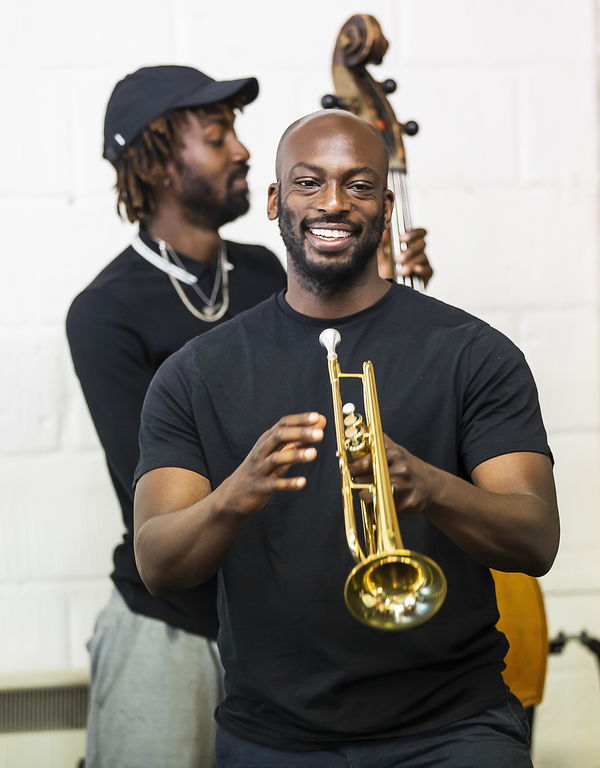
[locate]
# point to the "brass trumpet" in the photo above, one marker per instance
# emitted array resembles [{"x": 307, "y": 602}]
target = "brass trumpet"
[{"x": 390, "y": 587}]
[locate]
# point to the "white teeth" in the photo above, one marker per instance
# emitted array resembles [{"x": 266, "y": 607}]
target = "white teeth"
[{"x": 330, "y": 234}]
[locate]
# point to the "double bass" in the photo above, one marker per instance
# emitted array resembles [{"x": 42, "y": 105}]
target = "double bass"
[{"x": 361, "y": 42}]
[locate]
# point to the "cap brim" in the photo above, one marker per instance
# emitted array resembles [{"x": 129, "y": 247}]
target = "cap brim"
[
  {"x": 177, "y": 97},
  {"x": 220, "y": 91}
]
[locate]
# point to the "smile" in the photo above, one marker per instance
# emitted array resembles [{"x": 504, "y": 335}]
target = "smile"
[
  {"x": 330, "y": 235},
  {"x": 332, "y": 238}
]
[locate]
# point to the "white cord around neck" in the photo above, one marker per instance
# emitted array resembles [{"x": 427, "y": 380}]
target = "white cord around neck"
[{"x": 171, "y": 269}]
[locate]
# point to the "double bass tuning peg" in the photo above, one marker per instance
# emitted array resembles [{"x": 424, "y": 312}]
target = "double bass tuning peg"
[
  {"x": 410, "y": 128},
  {"x": 329, "y": 101}
]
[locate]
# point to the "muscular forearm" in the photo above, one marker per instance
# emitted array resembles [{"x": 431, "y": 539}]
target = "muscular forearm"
[
  {"x": 184, "y": 530},
  {"x": 507, "y": 519},
  {"x": 182, "y": 548},
  {"x": 505, "y": 531}
]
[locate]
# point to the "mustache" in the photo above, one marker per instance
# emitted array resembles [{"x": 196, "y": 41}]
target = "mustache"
[
  {"x": 238, "y": 173},
  {"x": 326, "y": 219}
]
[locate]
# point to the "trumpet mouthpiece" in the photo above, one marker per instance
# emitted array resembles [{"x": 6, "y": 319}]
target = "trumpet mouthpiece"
[{"x": 329, "y": 339}]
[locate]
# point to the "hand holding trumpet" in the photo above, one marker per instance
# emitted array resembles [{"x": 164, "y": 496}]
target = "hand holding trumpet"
[{"x": 413, "y": 481}]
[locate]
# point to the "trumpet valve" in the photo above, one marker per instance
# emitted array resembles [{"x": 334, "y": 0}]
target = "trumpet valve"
[
  {"x": 353, "y": 421},
  {"x": 355, "y": 432}
]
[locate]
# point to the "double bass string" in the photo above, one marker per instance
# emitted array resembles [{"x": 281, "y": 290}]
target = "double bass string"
[{"x": 402, "y": 222}]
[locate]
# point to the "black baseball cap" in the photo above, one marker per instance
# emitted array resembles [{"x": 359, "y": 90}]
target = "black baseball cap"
[{"x": 144, "y": 95}]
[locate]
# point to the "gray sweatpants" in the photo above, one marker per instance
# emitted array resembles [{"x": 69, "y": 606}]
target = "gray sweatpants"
[{"x": 154, "y": 690}]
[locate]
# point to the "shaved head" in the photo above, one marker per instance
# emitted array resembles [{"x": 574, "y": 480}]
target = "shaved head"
[
  {"x": 328, "y": 122},
  {"x": 331, "y": 200}
]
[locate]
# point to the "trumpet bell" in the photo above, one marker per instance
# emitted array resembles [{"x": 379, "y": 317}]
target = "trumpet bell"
[{"x": 395, "y": 590}]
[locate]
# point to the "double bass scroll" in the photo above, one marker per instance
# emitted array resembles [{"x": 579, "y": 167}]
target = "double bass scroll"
[{"x": 361, "y": 42}]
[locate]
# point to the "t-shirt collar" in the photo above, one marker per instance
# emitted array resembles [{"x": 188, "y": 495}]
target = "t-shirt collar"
[{"x": 337, "y": 321}]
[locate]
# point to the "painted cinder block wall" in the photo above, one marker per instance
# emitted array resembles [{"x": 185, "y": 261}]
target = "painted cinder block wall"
[{"x": 504, "y": 173}]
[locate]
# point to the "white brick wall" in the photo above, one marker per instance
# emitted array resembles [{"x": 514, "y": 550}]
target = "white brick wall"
[{"x": 505, "y": 174}]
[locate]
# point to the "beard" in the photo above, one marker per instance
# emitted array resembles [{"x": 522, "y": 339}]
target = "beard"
[
  {"x": 201, "y": 204},
  {"x": 332, "y": 276}
]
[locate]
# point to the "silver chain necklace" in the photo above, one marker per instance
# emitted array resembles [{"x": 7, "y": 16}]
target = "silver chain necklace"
[{"x": 211, "y": 311}]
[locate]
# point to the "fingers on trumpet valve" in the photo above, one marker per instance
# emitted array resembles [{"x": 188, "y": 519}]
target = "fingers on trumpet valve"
[{"x": 355, "y": 432}]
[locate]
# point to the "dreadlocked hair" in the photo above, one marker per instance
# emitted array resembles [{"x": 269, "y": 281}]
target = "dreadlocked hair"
[{"x": 143, "y": 164}]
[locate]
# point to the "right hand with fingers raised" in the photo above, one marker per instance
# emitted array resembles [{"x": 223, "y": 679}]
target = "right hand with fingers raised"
[
  {"x": 262, "y": 473},
  {"x": 184, "y": 529}
]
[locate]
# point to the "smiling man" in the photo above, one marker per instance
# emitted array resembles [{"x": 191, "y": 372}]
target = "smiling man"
[{"x": 238, "y": 475}]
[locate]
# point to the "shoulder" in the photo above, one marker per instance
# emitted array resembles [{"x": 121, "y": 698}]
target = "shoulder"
[
  {"x": 425, "y": 305},
  {"x": 119, "y": 271},
  {"x": 109, "y": 281},
  {"x": 446, "y": 332},
  {"x": 109, "y": 298},
  {"x": 434, "y": 320},
  {"x": 484, "y": 355},
  {"x": 115, "y": 288}
]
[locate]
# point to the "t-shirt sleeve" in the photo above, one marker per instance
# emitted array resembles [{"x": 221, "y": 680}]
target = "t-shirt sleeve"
[
  {"x": 501, "y": 412},
  {"x": 111, "y": 364},
  {"x": 168, "y": 433}
]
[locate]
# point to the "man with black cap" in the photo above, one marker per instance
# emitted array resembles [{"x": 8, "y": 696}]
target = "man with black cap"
[{"x": 181, "y": 174}]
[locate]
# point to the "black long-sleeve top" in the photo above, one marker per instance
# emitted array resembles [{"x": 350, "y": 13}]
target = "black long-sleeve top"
[{"x": 120, "y": 329}]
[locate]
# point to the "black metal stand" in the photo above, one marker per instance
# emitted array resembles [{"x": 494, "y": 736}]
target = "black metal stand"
[{"x": 558, "y": 644}]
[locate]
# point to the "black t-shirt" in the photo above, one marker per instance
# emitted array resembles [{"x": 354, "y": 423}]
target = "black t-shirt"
[
  {"x": 301, "y": 673},
  {"x": 121, "y": 328}
]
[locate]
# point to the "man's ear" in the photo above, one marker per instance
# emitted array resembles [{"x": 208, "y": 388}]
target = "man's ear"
[
  {"x": 272, "y": 202},
  {"x": 173, "y": 178},
  {"x": 388, "y": 204}
]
